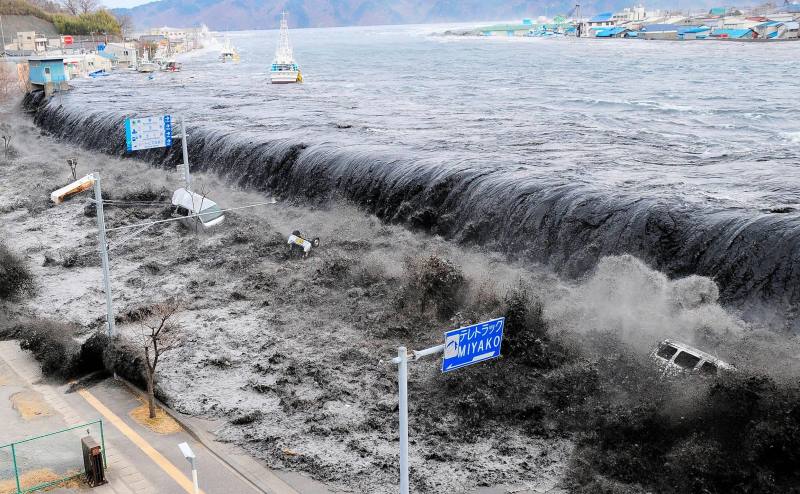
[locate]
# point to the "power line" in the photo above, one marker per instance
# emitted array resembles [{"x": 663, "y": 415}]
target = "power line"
[{"x": 139, "y": 225}]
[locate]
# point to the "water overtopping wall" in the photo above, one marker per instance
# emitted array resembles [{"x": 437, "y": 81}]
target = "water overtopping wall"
[{"x": 753, "y": 256}]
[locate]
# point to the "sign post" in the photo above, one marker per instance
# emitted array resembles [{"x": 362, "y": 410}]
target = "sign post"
[
  {"x": 402, "y": 382},
  {"x": 462, "y": 347},
  {"x": 187, "y": 177}
]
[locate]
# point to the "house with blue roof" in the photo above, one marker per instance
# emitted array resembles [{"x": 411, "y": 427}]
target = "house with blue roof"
[
  {"x": 606, "y": 19},
  {"x": 48, "y": 73},
  {"x": 733, "y": 34},
  {"x": 612, "y": 32}
]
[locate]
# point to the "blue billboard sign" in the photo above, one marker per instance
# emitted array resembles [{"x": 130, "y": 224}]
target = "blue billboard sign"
[
  {"x": 472, "y": 344},
  {"x": 148, "y": 132}
]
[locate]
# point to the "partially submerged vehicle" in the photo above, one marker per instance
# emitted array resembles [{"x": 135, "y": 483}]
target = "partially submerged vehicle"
[
  {"x": 300, "y": 246},
  {"x": 676, "y": 358},
  {"x": 201, "y": 213}
]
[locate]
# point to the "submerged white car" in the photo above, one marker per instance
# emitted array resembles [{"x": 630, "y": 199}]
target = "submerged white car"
[
  {"x": 201, "y": 212},
  {"x": 677, "y": 357}
]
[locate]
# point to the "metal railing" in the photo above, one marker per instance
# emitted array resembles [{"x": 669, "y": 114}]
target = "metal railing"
[{"x": 42, "y": 461}]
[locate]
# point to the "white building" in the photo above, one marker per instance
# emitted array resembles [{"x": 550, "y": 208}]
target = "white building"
[{"x": 632, "y": 14}]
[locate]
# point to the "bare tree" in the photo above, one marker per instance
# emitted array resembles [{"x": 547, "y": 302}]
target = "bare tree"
[
  {"x": 125, "y": 23},
  {"x": 9, "y": 81},
  {"x": 72, "y": 6},
  {"x": 87, "y": 6},
  {"x": 160, "y": 333},
  {"x": 7, "y": 135}
]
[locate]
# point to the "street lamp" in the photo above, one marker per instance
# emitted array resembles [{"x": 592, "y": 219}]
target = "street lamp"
[{"x": 189, "y": 455}]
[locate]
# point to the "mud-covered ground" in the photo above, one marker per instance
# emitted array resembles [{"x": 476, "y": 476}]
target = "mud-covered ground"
[{"x": 288, "y": 350}]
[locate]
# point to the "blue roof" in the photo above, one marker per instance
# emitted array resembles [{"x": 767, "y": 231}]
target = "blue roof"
[
  {"x": 718, "y": 11},
  {"x": 733, "y": 33},
  {"x": 694, "y": 29},
  {"x": 604, "y": 17},
  {"x": 655, "y": 28},
  {"x": 611, "y": 31},
  {"x": 773, "y": 35}
]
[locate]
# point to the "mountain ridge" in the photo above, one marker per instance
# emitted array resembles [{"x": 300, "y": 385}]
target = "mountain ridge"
[{"x": 260, "y": 14}]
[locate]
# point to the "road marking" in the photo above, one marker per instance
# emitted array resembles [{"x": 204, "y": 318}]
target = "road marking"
[{"x": 139, "y": 441}]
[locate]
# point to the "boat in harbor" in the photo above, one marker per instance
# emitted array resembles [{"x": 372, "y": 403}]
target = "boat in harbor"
[
  {"x": 284, "y": 69},
  {"x": 229, "y": 52},
  {"x": 145, "y": 65}
]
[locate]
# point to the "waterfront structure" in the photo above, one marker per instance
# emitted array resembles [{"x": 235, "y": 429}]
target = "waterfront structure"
[
  {"x": 612, "y": 32},
  {"x": 120, "y": 54},
  {"x": 733, "y": 34},
  {"x": 48, "y": 74},
  {"x": 660, "y": 31},
  {"x": 606, "y": 19}
]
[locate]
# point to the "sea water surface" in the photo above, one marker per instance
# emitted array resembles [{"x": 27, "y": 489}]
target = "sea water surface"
[{"x": 562, "y": 149}]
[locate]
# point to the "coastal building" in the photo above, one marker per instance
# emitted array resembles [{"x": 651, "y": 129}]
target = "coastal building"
[
  {"x": 733, "y": 34},
  {"x": 633, "y": 14},
  {"x": 120, "y": 54},
  {"x": 660, "y": 31},
  {"x": 612, "y": 32},
  {"x": 606, "y": 19},
  {"x": 48, "y": 73},
  {"x": 28, "y": 42}
]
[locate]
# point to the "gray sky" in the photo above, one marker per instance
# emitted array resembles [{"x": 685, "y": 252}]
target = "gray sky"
[{"x": 113, "y": 4}]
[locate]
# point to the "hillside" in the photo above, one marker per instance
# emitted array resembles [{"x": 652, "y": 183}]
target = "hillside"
[
  {"x": 13, "y": 24},
  {"x": 21, "y": 15}
]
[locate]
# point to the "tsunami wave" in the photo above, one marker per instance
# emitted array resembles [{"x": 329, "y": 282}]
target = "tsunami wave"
[{"x": 753, "y": 257}]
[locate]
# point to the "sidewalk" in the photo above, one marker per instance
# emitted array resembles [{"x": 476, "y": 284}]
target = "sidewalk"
[{"x": 140, "y": 461}]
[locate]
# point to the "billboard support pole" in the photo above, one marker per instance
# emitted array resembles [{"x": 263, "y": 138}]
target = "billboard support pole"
[
  {"x": 101, "y": 234},
  {"x": 186, "y": 174}
]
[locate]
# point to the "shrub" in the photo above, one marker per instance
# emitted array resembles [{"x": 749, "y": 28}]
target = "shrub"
[
  {"x": 434, "y": 281},
  {"x": 100, "y": 21},
  {"x": 53, "y": 345},
  {"x": 526, "y": 337},
  {"x": 15, "y": 277}
]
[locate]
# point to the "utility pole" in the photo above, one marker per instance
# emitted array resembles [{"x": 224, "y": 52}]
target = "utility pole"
[
  {"x": 2, "y": 37},
  {"x": 101, "y": 235},
  {"x": 187, "y": 177}
]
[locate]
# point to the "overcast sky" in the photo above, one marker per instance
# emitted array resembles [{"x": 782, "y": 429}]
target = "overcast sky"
[{"x": 113, "y": 4}]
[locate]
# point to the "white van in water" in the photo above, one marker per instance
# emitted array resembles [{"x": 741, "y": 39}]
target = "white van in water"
[
  {"x": 677, "y": 357},
  {"x": 188, "y": 203}
]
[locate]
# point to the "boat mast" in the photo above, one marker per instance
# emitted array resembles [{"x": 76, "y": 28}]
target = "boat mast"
[{"x": 284, "y": 51}]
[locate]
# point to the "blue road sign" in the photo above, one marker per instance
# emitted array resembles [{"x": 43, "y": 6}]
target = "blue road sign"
[
  {"x": 148, "y": 132},
  {"x": 472, "y": 344}
]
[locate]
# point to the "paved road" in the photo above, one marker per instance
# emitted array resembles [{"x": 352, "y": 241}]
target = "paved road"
[{"x": 140, "y": 460}]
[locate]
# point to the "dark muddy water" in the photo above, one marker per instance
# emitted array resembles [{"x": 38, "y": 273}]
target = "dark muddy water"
[{"x": 561, "y": 150}]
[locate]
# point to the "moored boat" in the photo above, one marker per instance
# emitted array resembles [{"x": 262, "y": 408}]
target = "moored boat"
[{"x": 284, "y": 69}]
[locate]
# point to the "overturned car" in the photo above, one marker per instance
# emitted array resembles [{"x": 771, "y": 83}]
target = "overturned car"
[{"x": 675, "y": 358}]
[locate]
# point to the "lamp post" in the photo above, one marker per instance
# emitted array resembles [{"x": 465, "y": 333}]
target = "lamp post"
[{"x": 191, "y": 458}]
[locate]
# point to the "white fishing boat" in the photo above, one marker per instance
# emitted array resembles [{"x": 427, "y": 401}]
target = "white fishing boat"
[
  {"x": 284, "y": 69},
  {"x": 145, "y": 65},
  {"x": 229, "y": 52}
]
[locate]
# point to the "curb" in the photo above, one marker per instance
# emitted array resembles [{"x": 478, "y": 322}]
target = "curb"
[{"x": 274, "y": 485}]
